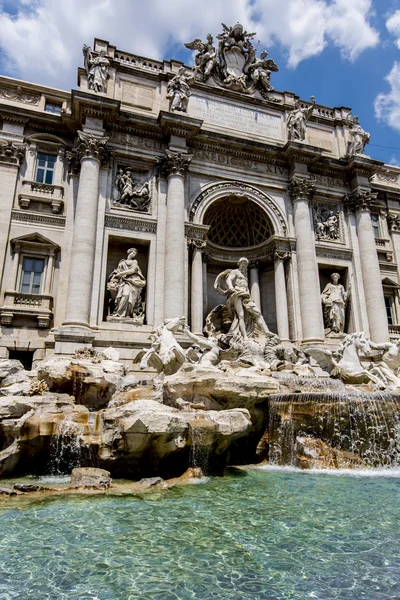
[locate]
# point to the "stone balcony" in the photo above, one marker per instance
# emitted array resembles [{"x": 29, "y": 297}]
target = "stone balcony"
[
  {"x": 33, "y": 192},
  {"x": 31, "y": 307}
]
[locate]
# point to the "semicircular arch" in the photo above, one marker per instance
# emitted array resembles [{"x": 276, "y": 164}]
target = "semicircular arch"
[{"x": 217, "y": 191}]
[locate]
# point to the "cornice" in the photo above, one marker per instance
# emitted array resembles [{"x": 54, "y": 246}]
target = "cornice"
[{"x": 130, "y": 223}]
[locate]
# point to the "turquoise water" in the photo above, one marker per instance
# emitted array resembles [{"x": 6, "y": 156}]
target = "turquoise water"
[{"x": 273, "y": 534}]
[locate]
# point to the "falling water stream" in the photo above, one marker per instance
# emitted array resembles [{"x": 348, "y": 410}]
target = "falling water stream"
[
  {"x": 66, "y": 446},
  {"x": 359, "y": 425}
]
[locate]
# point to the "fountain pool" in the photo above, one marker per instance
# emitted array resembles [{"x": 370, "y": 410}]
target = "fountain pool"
[{"x": 270, "y": 534}]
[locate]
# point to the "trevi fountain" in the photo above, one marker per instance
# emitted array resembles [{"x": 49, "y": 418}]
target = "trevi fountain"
[{"x": 226, "y": 463}]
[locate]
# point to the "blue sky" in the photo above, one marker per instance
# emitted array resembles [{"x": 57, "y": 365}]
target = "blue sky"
[{"x": 340, "y": 51}]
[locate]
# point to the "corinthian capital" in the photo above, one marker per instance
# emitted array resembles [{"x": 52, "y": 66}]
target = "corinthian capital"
[
  {"x": 301, "y": 189},
  {"x": 91, "y": 146},
  {"x": 174, "y": 163},
  {"x": 12, "y": 153},
  {"x": 358, "y": 201}
]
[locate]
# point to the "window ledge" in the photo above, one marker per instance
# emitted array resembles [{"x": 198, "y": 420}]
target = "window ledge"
[{"x": 36, "y": 306}]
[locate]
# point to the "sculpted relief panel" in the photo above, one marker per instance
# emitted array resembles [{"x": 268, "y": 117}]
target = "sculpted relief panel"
[
  {"x": 228, "y": 116},
  {"x": 131, "y": 190}
]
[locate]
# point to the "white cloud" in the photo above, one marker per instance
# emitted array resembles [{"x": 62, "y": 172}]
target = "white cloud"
[
  {"x": 393, "y": 26},
  {"x": 387, "y": 104},
  {"x": 43, "y": 41},
  {"x": 305, "y": 27}
]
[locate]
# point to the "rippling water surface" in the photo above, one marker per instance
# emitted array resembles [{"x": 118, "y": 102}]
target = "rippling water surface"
[{"x": 273, "y": 534}]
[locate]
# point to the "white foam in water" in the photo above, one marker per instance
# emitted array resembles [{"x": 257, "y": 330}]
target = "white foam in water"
[
  {"x": 198, "y": 480},
  {"x": 58, "y": 479},
  {"x": 379, "y": 472}
]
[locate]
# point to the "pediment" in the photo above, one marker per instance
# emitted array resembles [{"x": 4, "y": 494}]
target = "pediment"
[{"x": 35, "y": 239}]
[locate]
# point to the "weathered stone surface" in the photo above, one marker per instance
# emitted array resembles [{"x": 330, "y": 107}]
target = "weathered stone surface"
[
  {"x": 90, "y": 477},
  {"x": 8, "y": 491},
  {"x": 150, "y": 481},
  {"x": 92, "y": 384},
  {"x": 313, "y": 453},
  {"x": 218, "y": 390},
  {"x": 27, "y": 487}
]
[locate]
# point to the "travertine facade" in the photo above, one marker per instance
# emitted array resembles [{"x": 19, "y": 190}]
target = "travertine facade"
[{"x": 194, "y": 169}]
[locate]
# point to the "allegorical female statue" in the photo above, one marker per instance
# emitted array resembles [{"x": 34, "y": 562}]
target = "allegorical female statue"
[
  {"x": 125, "y": 285},
  {"x": 334, "y": 299}
]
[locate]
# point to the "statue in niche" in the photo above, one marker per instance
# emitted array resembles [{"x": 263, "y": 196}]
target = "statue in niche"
[
  {"x": 96, "y": 69},
  {"x": 178, "y": 90},
  {"x": 334, "y": 300},
  {"x": 241, "y": 311},
  {"x": 126, "y": 284},
  {"x": 133, "y": 193},
  {"x": 326, "y": 223},
  {"x": 297, "y": 121},
  {"x": 206, "y": 58},
  {"x": 260, "y": 71},
  {"x": 359, "y": 138}
]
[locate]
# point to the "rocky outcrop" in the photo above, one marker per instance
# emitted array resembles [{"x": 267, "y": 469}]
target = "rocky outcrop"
[
  {"x": 91, "y": 383},
  {"x": 313, "y": 453},
  {"x": 90, "y": 477}
]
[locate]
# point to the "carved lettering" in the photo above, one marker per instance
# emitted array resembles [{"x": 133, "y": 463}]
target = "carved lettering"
[
  {"x": 234, "y": 117},
  {"x": 239, "y": 163}
]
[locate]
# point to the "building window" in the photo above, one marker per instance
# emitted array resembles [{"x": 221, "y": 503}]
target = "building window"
[
  {"x": 375, "y": 225},
  {"x": 53, "y": 107},
  {"x": 45, "y": 167},
  {"x": 32, "y": 274},
  {"x": 389, "y": 309}
]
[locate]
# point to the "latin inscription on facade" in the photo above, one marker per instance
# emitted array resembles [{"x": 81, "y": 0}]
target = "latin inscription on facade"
[
  {"x": 233, "y": 117},
  {"x": 239, "y": 163}
]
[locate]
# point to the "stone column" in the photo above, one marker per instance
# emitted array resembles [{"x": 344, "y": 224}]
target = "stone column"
[
  {"x": 302, "y": 191},
  {"x": 49, "y": 272},
  {"x": 91, "y": 151},
  {"x": 175, "y": 165},
  {"x": 282, "y": 318},
  {"x": 206, "y": 259},
  {"x": 197, "y": 286},
  {"x": 13, "y": 282},
  {"x": 360, "y": 203},
  {"x": 254, "y": 281}
]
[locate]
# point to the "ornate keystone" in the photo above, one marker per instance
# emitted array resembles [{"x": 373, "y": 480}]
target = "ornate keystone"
[
  {"x": 360, "y": 201},
  {"x": 12, "y": 153},
  {"x": 174, "y": 163},
  {"x": 301, "y": 189}
]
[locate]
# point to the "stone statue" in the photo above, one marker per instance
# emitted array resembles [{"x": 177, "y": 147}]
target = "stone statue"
[
  {"x": 236, "y": 53},
  {"x": 96, "y": 69},
  {"x": 297, "y": 122},
  {"x": 125, "y": 285},
  {"x": 359, "y": 138},
  {"x": 334, "y": 299},
  {"x": 345, "y": 363},
  {"x": 206, "y": 58},
  {"x": 178, "y": 90},
  {"x": 242, "y": 311},
  {"x": 388, "y": 367},
  {"x": 260, "y": 71},
  {"x": 132, "y": 193},
  {"x": 326, "y": 223}
]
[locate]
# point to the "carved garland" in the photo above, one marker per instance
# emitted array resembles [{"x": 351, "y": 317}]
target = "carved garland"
[{"x": 242, "y": 186}]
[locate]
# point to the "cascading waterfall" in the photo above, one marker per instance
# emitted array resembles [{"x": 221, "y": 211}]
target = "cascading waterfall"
[
  {"x": 66, "y": 446},
  {"x": 350, "y": 429}
]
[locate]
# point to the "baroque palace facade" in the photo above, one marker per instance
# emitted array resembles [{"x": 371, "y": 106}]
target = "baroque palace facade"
[{"x": 122, "y": 201}]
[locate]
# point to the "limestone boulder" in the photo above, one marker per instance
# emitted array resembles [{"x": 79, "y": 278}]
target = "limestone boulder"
[
  {"x": 91, "y": 383},
  {"x": 217, "y": 390},
  {"x": 90, "y": 477},
  {"x": 313, "y": 453}
]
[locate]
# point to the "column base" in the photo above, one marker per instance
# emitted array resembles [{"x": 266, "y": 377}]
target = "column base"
[{"x": 69, "y": 338}]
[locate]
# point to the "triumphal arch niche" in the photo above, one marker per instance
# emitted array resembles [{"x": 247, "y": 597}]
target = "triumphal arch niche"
[{"x": 241, "y": 221}]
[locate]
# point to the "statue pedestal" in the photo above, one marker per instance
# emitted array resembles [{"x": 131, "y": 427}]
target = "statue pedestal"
[
  {"x": 69, "y": 338},
  {"x": 137, "y": 320}
]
